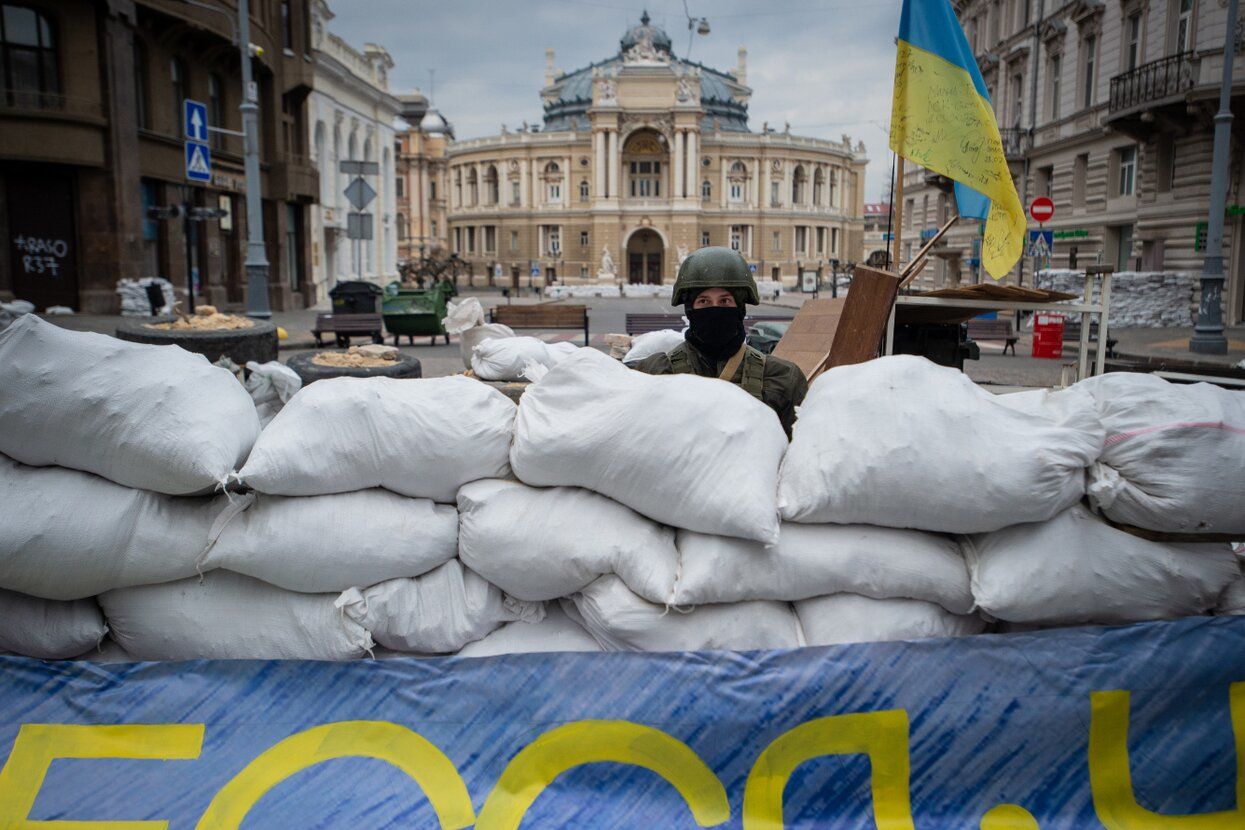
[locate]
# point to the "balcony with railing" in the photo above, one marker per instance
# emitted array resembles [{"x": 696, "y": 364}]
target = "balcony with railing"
[
  {"x": 1136, "y": 95},
  {"x": 1016, "y": 142}
]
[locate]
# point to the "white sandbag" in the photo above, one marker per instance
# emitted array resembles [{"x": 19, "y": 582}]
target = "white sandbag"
[
  {"x": 271, "y": 385},
  {"x": 48, "y": 629},
  {"x": 851, "y": 618},
  {"x": 902, "y": 442},
  {"x": 67, "y": 535},
  {"x": 684, "y": 450},
  {"x": 1174, "y": 455},
  {"x": 1077, "y": 569},
  {"x": 505, "y": 358},
  {"x": 621, "y": 621},
  {"x": 106, "y": 652},
  {"x": 556, "y": 632},
  {"x": 813, "y": 560},
  {"x": 437, "y": 613},
  {"x": 322, "y": 544},
  {"x": 651, "y": 343},
  {"x": 1232, "y": 600},
  {"x": 227, "y": 616},
  {"x": 152, "y": 417},
  {"x": 420, "y": 438},
  {"x": 542, "y": 543}
]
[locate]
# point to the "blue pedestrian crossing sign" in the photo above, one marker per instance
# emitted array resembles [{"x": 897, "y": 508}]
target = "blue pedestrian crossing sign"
[
  {"x": 194, "y": 117},
  {"x": 535, "y": 270},
  {"x": 1041, "y": 244},
  {"x": 198, "y": 162}
]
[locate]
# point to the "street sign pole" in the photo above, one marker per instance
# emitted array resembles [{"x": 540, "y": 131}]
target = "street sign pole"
[{"x": 256, "y": 257}]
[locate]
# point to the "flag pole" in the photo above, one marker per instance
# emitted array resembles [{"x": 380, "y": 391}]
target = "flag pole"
[{"x": 897, "y": 211}]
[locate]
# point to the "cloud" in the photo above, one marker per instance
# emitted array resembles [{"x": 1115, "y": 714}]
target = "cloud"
[{"x": 823, "y": 65}]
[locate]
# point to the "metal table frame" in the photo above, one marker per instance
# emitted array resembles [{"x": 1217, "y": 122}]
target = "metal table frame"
[{"x": 1085, "y": 308}]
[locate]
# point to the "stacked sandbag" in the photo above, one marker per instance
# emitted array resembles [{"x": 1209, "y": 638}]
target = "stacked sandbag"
[
  {"x": 1173, "y": 456},
  {"x": 1076, "y": 569},
  {"x": 511, "y": 358},
  {"x": 156, "y": 418},
  {"x": 651, "y": 343},
  {"x": 683, "y": 450},
  {"x": 465, "y": 318},
  {"x": 49, "y": 629},
  {"x": 270, "y": 385},
  {"x": 224, "y": 615},
  {"x": 557, "y": 632},
  {"x": 901, "y": 442},
  {"x": 851, "y": 618},
  {"x": 1232, "y": 600}
]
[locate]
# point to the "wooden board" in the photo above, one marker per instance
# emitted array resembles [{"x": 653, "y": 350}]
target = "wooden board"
[
  {"x": 810, "y": 335},
  {"x": 865, "y": 314}
]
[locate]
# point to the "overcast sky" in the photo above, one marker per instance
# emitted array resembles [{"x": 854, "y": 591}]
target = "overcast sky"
[{"x": 824, "y": 65}]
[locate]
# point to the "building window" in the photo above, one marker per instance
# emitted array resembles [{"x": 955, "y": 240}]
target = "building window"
[
  {"x": 490, "y": 239},
  {"x": 583, "y": 190},
  {"x": 550, "y": 240},
  {"x": 1166, "y": 163},
  {"x": 706, "y": 191},
  {"x": 738, "y": 178},
  {"x": 704, "y": 239},
  {"x": 645, "y": 179},
  {"x": 1127, "y": 170},
  {"x": 1080, "y": 171},
  {"x": 178, "y": 82},
  {"x": 514, "y": 193},
  {"x": 432, "y": 189},
  {"x": 1045, "y": 181},
  {"x": 1055, "y": 68},
  {"x": 834, "y": 187},
  {"x": 1089, "y": 47},
  {"x": 399, "y": 187},
  {"x": 819, "y": 186},
  {"x": 491, "y": 186},
  {"x": 776, "y": 241},
  {"x": 774, "y": 191},
  {"x": 473, "y": 187},
  {"x": 433, "y": 227},
  {"x": 553, "y": 182},
  {"x": 583, "y": 239},
  {"x": 287, "y": 26},
  {"x": 458, "y": 240},
  {"x": 293, "y": 247},
  {"x": 28, "y": 58},
  {"x": 514, "y": 241},
  {"x": 142, "y": 106},
  {"x": 471, "y": 239},
  {"x": 216, "y": 107},
  {"x": 821, "y": 241},
  {"x": 1132, "y": 50},
  {"x": 799, "y": 182},
  {"x": 554, "y": 192},
  {"x": 834, "y": 241},
  {"x": 908, "y": 208},
  {"x": 1184, "y": 26},
  {"x": 740, "y": 238},
  {"x": 801, "y": 240}
]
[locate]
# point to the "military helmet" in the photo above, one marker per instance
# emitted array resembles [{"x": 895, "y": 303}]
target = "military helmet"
[{"x": 715, "y": 268}]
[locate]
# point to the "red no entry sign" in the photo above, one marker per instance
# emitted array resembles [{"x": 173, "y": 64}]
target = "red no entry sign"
[{"x": 1042, "y": 209}]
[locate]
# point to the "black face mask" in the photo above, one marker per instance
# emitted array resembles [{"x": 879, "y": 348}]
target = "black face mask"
[{"x": 717, "y": 332}]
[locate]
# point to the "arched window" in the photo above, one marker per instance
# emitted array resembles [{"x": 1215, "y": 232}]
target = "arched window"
[
  {"x": 706, "y": 190},
  {"x": 458, "y": 187},
  {"x": 553, "y": 182},
  {"x": 834, "y": 186},
  {"x": 473, "y": 187},
  {"x": 142, "y": 104},
  {"x": 490, "y": 186},
  {"x": 583, "y": 190},
  {"x": 179, "y": 83},
  {"x": 737, "y": 180},
  {"x": 30, "y": 70},
  {"x": 798, "y": 181},
  {"x": 644, "y": 155},
  {"x": 819, "y": 185}
]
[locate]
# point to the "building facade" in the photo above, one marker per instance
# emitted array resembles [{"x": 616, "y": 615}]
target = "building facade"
[
  {"x": 642, "y": 158},
  {"x": 91, "y": 119},
  {"x": 352, "y": 117},
  {"x": 421, "y": 175},
  {"x": 1106, "y": 107}
]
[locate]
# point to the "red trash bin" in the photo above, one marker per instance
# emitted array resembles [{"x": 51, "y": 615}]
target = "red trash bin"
[{"x": 1048, "y": 336}]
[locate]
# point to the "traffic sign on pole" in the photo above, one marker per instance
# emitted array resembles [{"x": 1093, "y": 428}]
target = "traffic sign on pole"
[
  {"x": 360, "y": 193},
  {"x": 194, "y": 116},
  {"x": 1042, "y": 209},
  {"x": 198, "y": 162},
  {"x": 1041, "y": 244}
]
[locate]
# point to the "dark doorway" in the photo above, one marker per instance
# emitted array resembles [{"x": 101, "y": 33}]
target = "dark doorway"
[
  {"x": 644, "y": 256},
  {"x": 43, "y": 243}
]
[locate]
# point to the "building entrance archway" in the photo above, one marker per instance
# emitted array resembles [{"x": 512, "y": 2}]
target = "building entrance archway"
[{"x": 644, "y": 256}]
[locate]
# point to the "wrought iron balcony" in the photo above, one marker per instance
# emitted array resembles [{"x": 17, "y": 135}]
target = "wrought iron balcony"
[
  {"x": 1016, "y": 142},
  {"x": 1153, "y": 82}
]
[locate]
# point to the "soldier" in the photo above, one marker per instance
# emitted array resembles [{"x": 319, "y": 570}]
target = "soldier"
[{"x": 713, "y": 286}]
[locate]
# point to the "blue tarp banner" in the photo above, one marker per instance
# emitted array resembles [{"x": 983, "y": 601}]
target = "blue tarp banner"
[{"x": 1126, "y": 728}]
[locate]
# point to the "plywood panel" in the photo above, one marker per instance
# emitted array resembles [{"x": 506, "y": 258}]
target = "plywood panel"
[{"x": 811, "y": 334}]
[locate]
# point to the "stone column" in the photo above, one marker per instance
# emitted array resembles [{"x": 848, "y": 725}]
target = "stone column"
[
  {"x": 693, "y": 165},
  {"x": 615, "y": 167},
  {"x": 566, "y": 182},
  {"x": 523, "y": 198},
  {"x": 678, "y": 177},
  {"x": 598, "y": 164}
]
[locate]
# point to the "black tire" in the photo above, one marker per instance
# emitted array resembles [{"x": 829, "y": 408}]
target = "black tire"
[
  {"x": 258, "y": 343},
  {"x": 406, "y": 366}
]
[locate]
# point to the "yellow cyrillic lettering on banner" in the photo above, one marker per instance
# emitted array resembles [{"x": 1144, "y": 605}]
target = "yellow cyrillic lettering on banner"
[
  {"x": 397, "y": 745},
  {"x": 594, "y": 741},
  {"x": 883, "y": 736},
  {"x": 1008, "y": 817},
  {"x": 1111, "y": 779},
  {"x": 38, "y": 744}
]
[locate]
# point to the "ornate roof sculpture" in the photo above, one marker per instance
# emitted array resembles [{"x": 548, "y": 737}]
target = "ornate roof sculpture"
[{"x": 723, "y": 98}]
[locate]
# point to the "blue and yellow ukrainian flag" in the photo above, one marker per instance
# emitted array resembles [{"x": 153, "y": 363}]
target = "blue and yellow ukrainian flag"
[{"x": 942, "y": 120}]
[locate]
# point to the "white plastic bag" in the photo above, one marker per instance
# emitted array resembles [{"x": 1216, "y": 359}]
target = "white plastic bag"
[
  {"x": 901, "y": 442},
  {"x": 48, "y": 629},
  {"x": 1077, "y": 569},
  {"x": 812, "y": 560},
  {"x": 851, "y": 618},
  {"x": 651, "y": 343},
  {"x": 153, "y": 417},
  {"x": 556, "y": 632},
  {"x": 321, "y": 544},
  {"x": 542, "y": 543},
  {"x": 505, "y": 358},
  {"x": 271, "y": 385},
  {"x": 466, "y": 319},
  {"x": 621, "y": 621},
  {"x": 437, "y": 613},
  {"x": 69, "y": 535},
  {"x": 227, "y": 616},
  {"x": 1174, "y": 458},
  {"x": 684, "y": 450},
  {"x": 420, "y": 438}
]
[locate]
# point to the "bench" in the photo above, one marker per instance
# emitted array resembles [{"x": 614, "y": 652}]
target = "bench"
[
  {"x": 345, "y": 326},
  {"x": 996, "y": 330},
  {"x": 542, "y": 316},
  {"x": 644, "y": 323}
]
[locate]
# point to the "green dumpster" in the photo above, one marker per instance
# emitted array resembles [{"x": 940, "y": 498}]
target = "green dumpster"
[{"x": 412, "y": 311}]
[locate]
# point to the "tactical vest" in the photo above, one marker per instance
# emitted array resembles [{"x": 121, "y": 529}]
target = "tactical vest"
[{"x": 751, "y": 380}]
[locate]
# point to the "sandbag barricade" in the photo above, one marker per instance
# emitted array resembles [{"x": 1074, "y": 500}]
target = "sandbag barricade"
[
  {"x": 852, "y": 618},
  {"x": 49, "y": 629},
  {"x": 508, "y": 358}
]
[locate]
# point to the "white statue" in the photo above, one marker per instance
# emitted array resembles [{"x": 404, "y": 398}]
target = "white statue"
[
  {"x": 608, "y": 271},
  {"x": 684, "y": 91},
  {"x": 682, "y": 251}
]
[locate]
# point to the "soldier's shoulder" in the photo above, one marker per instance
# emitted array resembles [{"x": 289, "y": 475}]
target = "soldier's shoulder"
[
  {"x": 777, "y": 367},
  {"x": 654, "y": 364}
]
